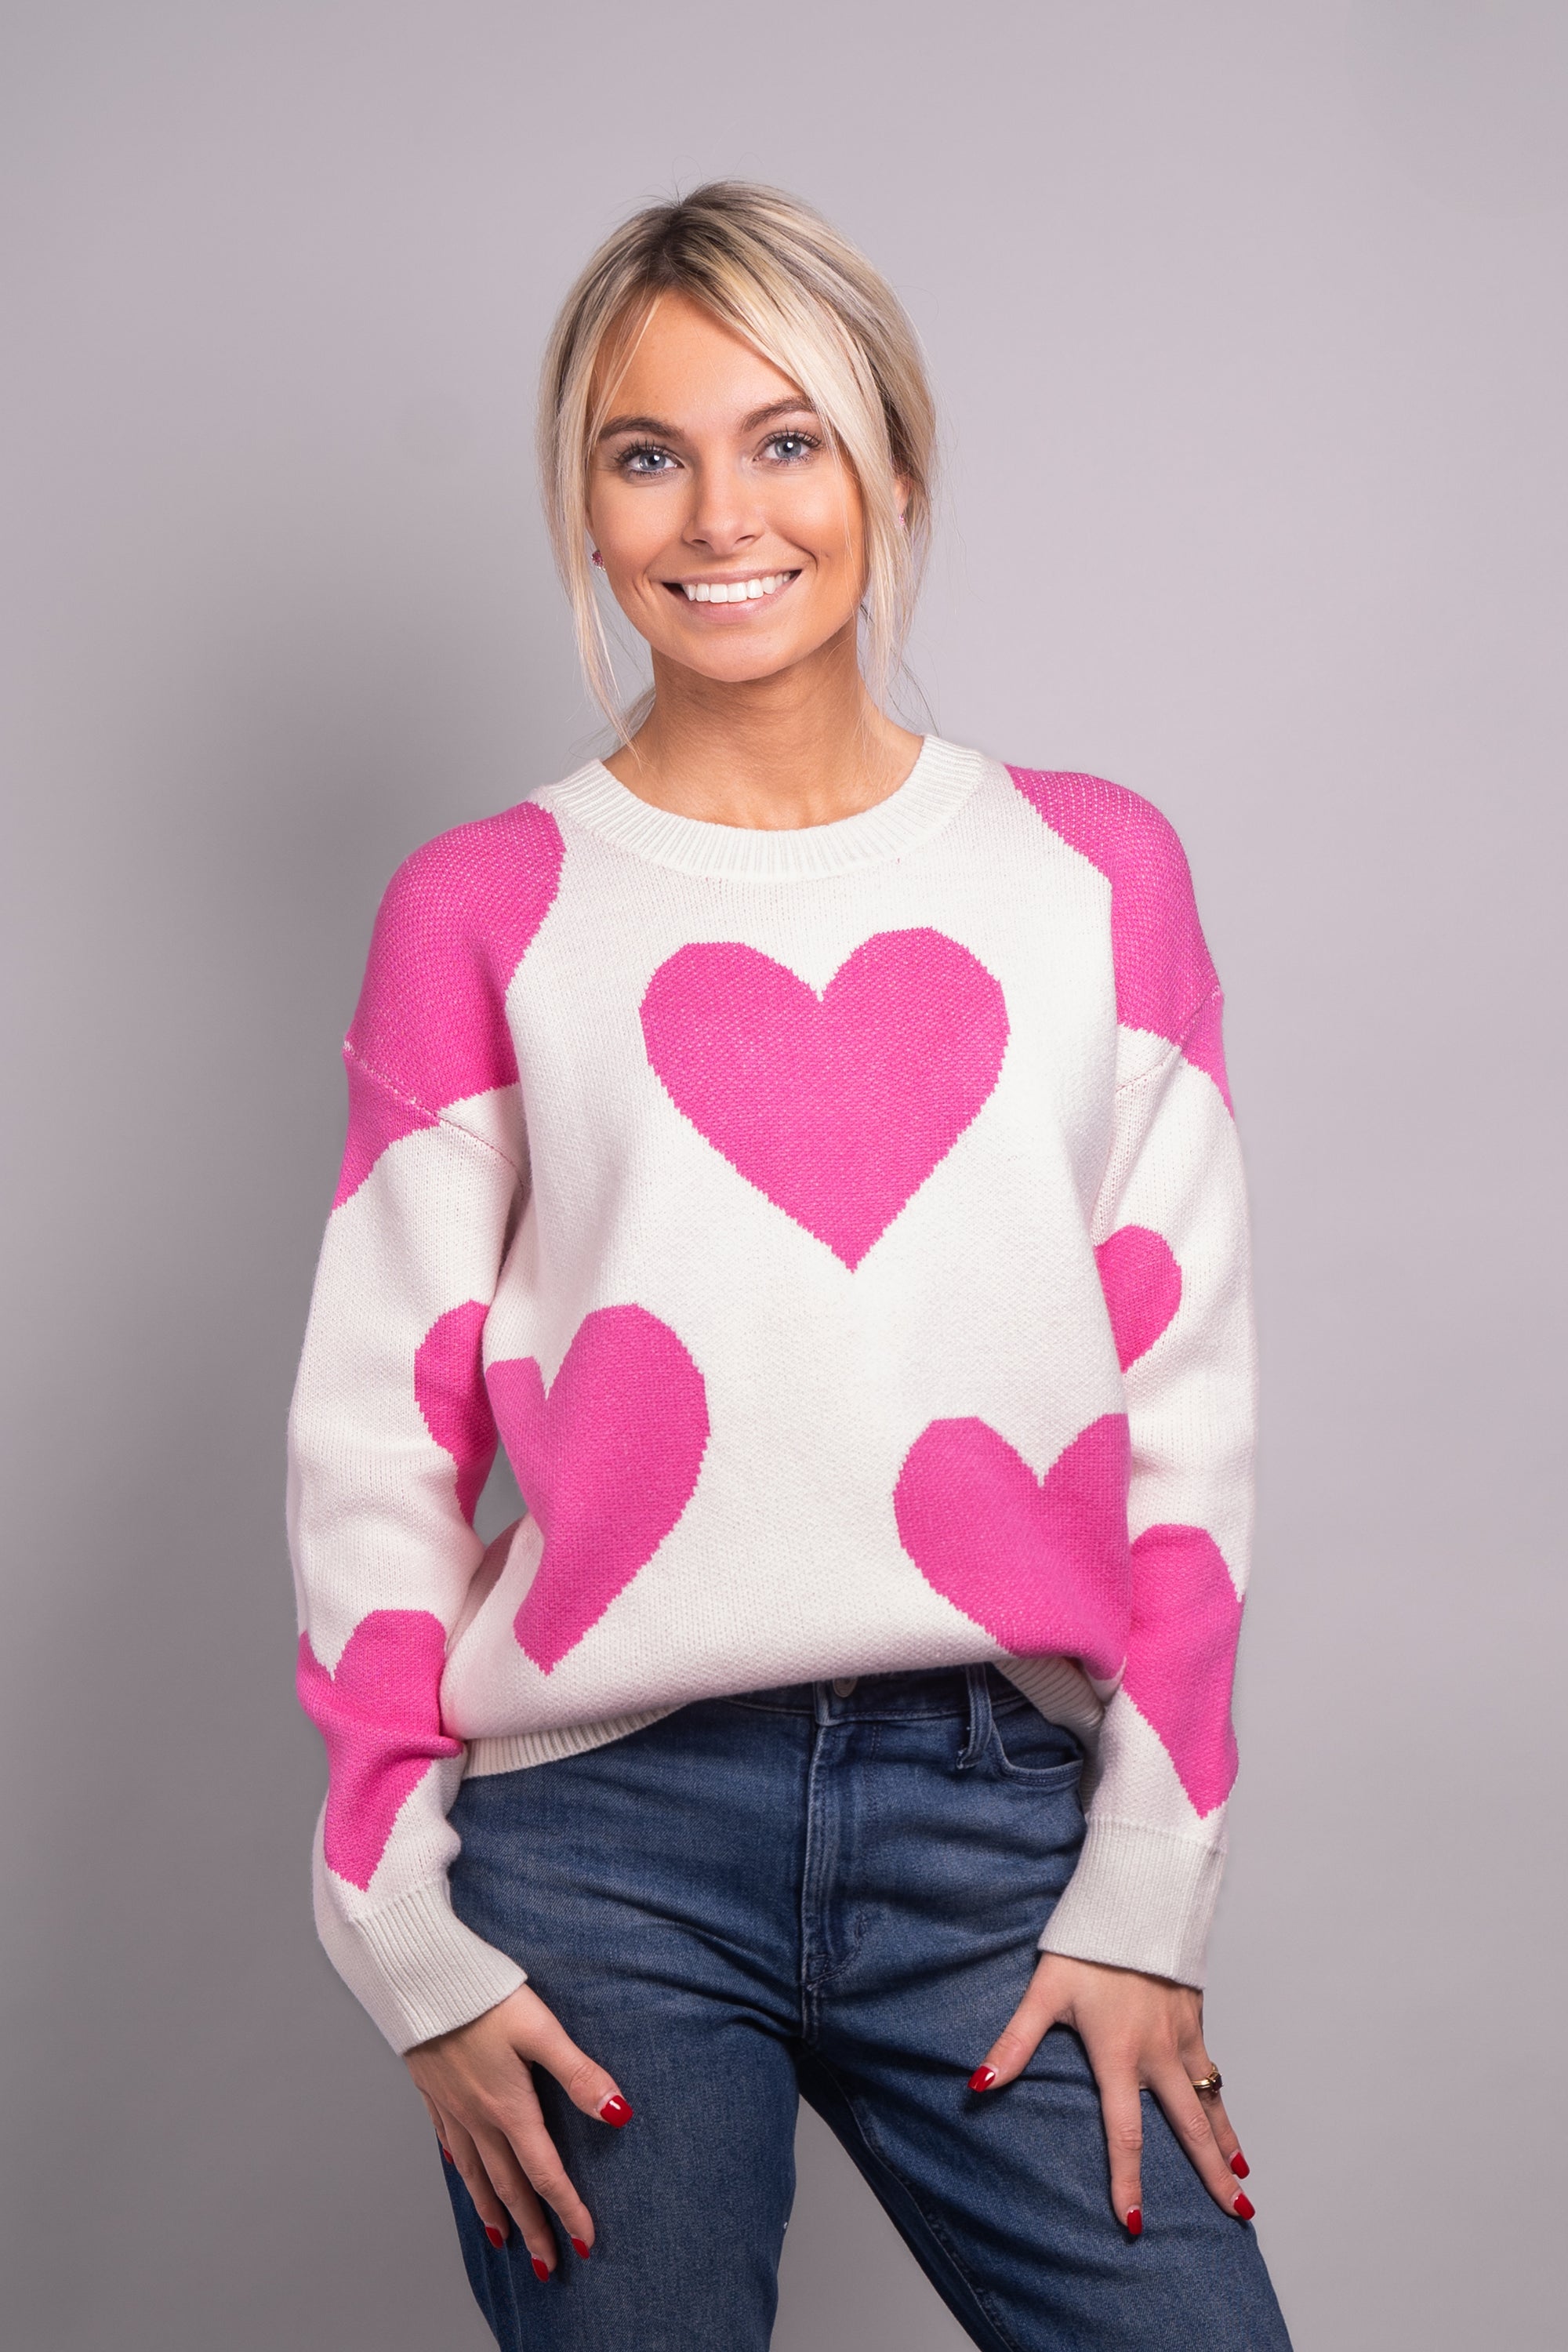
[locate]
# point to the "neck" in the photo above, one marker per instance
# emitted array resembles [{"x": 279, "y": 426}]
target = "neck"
[{"x": 802, "y": 748}]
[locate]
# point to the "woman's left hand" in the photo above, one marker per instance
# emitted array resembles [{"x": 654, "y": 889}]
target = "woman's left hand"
[{"x": 1141, "y": 2032}]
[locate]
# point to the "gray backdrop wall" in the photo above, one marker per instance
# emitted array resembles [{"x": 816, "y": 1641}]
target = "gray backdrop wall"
[{"x": 1249, "y": 325}]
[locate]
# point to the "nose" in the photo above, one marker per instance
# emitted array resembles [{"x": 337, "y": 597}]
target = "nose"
[{"x": 723, "y": 519}]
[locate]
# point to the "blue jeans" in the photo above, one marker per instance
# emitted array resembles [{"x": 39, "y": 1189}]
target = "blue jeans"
[{"x": 799, "y": 1893}]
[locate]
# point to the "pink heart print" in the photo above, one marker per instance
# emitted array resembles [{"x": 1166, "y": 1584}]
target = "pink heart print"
[
  {"x": 430, "y": 1028},
  {"x": 448, "y": 1389},
  {"x": 379, "y": 1711},
  {"x": 837, "y": 1106},
  {"x": 607, "y": 1462},
  {"x": 1181, "y": 1656},
  {"x": 1041, "y": 1564},
  {"x": 1143, "y": 1287}
]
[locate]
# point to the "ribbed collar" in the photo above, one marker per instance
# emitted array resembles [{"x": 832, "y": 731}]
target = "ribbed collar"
[{"x": 940, "y": 781}]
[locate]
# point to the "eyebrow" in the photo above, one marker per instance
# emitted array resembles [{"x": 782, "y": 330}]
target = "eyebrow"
[{"x": 749, "y": 423}]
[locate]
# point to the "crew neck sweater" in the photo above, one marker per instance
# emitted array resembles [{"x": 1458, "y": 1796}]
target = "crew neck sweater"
[{"x": 842, "y": 1230}]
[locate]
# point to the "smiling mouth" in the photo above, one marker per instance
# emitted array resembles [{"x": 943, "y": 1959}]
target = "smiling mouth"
[{"x": 752, "y": 590}]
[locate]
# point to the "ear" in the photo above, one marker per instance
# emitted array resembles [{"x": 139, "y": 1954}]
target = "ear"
[{"x": 902, "y": 489}]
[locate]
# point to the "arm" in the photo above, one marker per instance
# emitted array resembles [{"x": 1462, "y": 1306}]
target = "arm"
[
  {"x": 1124, "y": 1949},
  {"x": 1171, "y": 1231},
  {"x": 390, "y": 1441},
  {"x": 390, "y": 1434}
]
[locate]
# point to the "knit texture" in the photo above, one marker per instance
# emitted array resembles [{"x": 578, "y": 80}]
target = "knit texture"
[{"x": 844, "y": 1232}]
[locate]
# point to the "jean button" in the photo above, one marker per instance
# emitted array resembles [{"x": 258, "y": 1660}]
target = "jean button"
[{"x": 843, "y": 1685}]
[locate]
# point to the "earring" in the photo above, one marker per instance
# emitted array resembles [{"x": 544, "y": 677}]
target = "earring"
[{"x": 598, "y": 559}]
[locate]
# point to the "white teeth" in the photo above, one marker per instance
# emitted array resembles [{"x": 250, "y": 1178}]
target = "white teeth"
[{"x": 733, "y": 592}]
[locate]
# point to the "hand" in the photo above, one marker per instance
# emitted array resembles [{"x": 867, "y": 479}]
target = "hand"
[
  {"x": 1139, "y": 2033},
  {"x": 477, "y": 2084}
]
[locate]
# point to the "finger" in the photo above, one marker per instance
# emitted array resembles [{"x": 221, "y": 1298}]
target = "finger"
[
  {"x": 1187, "y": 2116},
  {"x": 539, "y": 2161},
  {"x": 1122, "y": 2111},
  {"x": 516, "y": 2193},
  {"x": 1017, "y": 2042},
  {"x": 584, "y": 2080},
  {"x": 1220, "y": 2125},
  {"x": 471, "y": 2167},
  {"x": 1198, "y": 2063}
]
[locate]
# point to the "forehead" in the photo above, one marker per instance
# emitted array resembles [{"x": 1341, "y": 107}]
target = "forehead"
[{"x": 690, "y": 368}]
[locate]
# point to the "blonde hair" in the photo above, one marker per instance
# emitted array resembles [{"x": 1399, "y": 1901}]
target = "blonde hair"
[{"x": 769, "y": 267}]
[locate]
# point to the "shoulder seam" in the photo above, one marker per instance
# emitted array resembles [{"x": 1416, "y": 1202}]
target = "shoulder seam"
[
  {"x": 440, "y": 1117},
  {"x": 1214, "y": 995}
]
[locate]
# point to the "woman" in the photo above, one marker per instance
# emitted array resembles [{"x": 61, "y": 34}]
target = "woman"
[{"x": 808, "y": 1145}]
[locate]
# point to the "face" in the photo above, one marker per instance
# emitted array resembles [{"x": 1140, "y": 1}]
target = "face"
[{"x": 732, "y": 535}]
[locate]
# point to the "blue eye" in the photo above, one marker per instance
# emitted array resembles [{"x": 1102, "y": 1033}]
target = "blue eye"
[
  {"x": 792, "y": 446},
  {"x": 646, "y": 457}
]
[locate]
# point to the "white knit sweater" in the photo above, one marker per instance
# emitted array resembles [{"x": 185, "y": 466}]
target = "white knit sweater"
[{"x": 845, "y": 1231}]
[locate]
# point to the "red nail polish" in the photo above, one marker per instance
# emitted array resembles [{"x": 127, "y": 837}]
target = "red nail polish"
[
  {"x": 983, "y": 2078},
  {"x": 541, "y": 2271},
  {"x": 616, "y": 2111},
  {"x": 1240, "y": 2165},
  {"x": 581, "y": 2246},
  {"x": 1135, "y": 2220},
  {"x": 1242, "y": 2206},
  {"x": 494, "y": 2236},
  {"x": 446, "y": 2153}
]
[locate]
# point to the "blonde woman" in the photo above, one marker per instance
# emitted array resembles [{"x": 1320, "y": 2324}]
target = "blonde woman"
[{"x": 806, "y": 1146}]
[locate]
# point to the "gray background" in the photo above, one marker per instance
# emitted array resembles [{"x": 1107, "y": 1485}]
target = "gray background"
[{"x": 1249, "y": 323}]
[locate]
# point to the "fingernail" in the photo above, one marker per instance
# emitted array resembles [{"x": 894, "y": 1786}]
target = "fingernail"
[
  {"x": 541, "y": 2270},
  {"x": 494, "y": 2236},
  {"x": 1135, "y": 2220},
  {"x": 581, "y": 2246},
  {"x": 1242, "y": 2206},
  {"x": 616, "y": 2111},
  {"x": 983, "y": 2078},
  {"x": 1240, "y": 2165},
  {"x": 446, "y": 2153}
]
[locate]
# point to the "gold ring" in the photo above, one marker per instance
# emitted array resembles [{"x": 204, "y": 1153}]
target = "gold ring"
[{"x": 1211, "y": 2081}]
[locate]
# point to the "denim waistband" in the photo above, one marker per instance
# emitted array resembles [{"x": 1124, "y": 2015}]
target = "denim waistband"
[{"x": 889, "y": 1698}]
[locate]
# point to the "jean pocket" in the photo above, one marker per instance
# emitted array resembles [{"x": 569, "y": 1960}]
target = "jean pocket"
[{"x": 1025, "y": 1746}]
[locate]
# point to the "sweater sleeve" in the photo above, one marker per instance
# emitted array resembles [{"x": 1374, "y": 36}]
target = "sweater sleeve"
[
  {"x": 390, "y": 1435},
  {"x": 1170, "y": 1230}
]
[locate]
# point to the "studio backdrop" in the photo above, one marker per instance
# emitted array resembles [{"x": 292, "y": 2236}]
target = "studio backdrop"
[{"x": 1248, "y": 325}]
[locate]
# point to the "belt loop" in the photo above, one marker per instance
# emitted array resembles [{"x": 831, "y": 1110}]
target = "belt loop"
[
  {"x": 979, "y": 1738},
  {"x": 822, "y": 1694}
]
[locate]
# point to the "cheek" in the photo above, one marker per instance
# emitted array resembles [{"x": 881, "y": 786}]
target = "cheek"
[
  {"x": 820, "y": 518},
  {"x": 627, "y": 526}
]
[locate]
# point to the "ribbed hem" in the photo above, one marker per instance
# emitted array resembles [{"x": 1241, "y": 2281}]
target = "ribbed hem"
[
  {"x": 519, "y": 1749},
  {"x": 1061, "y": 1691},
  {"x": 938, "y": 784},
  {"x": 413, "y": 1964},
  {"x": 1140, "y": 1898}
]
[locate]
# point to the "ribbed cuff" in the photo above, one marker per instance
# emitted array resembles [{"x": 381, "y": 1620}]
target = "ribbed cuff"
[
  {"x": 413, "y": 1964},
  {"x": 1140, "y": 1898}
]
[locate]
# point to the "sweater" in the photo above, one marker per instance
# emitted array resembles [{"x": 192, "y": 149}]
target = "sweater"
[{"x": 842, "y": 1230}]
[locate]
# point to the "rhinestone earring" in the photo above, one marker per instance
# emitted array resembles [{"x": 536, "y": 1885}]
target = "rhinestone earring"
[{"x": 598, "y": 559}]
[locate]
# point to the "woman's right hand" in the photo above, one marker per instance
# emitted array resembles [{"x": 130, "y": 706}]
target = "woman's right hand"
[{"x": 476, "y": 2083}]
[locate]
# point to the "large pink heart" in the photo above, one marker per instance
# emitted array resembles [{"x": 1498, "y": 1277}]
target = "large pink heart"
[
  {"x": 379, "y": 1713},
  {"x": 1181, "y": 1656},
  {"x": 839, "y": 1106},
  {"x": 1041, "y": 1563},
  {"x": 607, "y": 1462}
]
